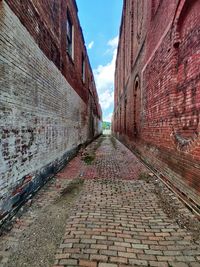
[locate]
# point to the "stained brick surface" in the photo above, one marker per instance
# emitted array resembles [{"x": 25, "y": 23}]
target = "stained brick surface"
[
  {"x": 157, "y": 92},
  {"x": 46, "y": 23},
  {"x": 115, "y": 221},
  {"x": 43, "y": 117}
]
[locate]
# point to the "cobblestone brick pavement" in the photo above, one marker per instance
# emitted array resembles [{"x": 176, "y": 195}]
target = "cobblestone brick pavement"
[
  {"x": 11, "y": 234},
  {"x": 117, "y": 220}
]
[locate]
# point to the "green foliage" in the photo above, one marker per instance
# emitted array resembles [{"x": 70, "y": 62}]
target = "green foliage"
[
  {"x": 144, "y": 176},
  {"x": 89, "y": 159},
  {"x": 106, "y": 125}
]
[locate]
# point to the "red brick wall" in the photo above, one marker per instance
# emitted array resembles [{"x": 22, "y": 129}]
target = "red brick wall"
[
  {"x": 161, "y": 120},
  {"x": 46, "y": 22}
]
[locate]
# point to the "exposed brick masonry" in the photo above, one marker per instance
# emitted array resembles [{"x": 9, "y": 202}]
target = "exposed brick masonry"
[
  {"x": 46, "y": 22},
  {"x": 117, "y": 219},
  {"x": 44, "y": 118},
  {"x": 157, "y": 88}
]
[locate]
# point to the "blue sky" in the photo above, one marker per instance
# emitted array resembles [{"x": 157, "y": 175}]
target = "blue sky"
[{"x": 100, "y": 22}]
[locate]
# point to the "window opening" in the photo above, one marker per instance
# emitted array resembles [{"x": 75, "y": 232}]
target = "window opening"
[{"x": 69, "y": 36}]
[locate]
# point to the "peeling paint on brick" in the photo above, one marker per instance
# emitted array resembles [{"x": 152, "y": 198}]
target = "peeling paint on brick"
[{"x": 43, "y": 118}]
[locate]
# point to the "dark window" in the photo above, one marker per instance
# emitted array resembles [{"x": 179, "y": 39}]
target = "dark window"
[
  {"x": 125, "y": 109},
  {"x": 136, "y": 105},
  {"x": 83, "y": 68},
  {"x": 69, "y": 35}
]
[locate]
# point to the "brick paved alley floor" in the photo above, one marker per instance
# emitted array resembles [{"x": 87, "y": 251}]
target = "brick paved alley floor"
[{"x": 122, "y": 216}]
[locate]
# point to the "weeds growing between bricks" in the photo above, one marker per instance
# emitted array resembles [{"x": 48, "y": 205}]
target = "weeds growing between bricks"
[{"x": 89, "y": 155}]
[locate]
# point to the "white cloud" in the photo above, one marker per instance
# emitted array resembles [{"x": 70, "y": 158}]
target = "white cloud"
[
  {"x": 112, "y": 45},
  {"x": 104, "y": 77},
  {"x": 106, "y": 99},
  {"x": 113, "y": 42},
  {"x": 108, "y": 117},
  {"x": 90, "y": 45}
]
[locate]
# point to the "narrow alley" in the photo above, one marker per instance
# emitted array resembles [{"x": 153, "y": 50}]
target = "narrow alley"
[
  {"x": 99, "y": 133},
  {"x": 107, "y": 210}
]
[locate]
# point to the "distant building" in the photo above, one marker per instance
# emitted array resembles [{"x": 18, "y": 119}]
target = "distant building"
[
  {"x": 106, "y": 126},
  {"x": 157, "y": 88},
  {"x": 48, "y": 99}
]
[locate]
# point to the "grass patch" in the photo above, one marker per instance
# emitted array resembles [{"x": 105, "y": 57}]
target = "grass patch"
[
  {"x": 89, "y": 154},
  {"x": 88, "y": 159},
  {"x": 144, "y": 176},
  {"x": 72, "y": 187}
]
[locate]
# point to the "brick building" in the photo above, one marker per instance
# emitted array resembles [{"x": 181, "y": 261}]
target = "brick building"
[
  {"x": 48, "y": 100},
  {"x": 157, "y": 89}
]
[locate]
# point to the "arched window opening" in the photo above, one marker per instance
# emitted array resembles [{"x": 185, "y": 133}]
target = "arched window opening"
[
  {"x": 125, "y": 110},
  {"x": 136, "y": 106}
]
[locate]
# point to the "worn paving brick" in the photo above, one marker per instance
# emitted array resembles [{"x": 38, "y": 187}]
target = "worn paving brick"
[
  {"x": 116, "y": 220},
  {"x": 107, "y": 265},
  {"x": 108, "y": 252},
  {"x": 119, "y": 259},
  {"x": 68, "y": 262},
  {"x": 98, "y": 246},
  {"x": 62, "y": 256},
  {"x": 159, "y": 264},
  {"x": 138, "y": 262},
  {"x": 127, "y": 255},
  {"x": 98, "y": 257},
  {"x": 87, "y": 263}
]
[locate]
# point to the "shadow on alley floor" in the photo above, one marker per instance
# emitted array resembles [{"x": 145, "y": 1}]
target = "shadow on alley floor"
[{"x": 103, "y": 209}]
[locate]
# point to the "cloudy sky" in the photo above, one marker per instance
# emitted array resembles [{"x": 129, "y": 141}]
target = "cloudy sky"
[{"x": 100, "y": 21}]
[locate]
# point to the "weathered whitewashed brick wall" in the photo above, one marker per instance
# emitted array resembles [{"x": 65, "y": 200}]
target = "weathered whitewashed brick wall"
[{"x": 42, "y": 119}]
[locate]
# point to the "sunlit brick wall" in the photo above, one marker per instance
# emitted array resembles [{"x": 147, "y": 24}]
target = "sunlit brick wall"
[
  {"x": 157, "y": 107},
  {"x": 43, "y": 117}
]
